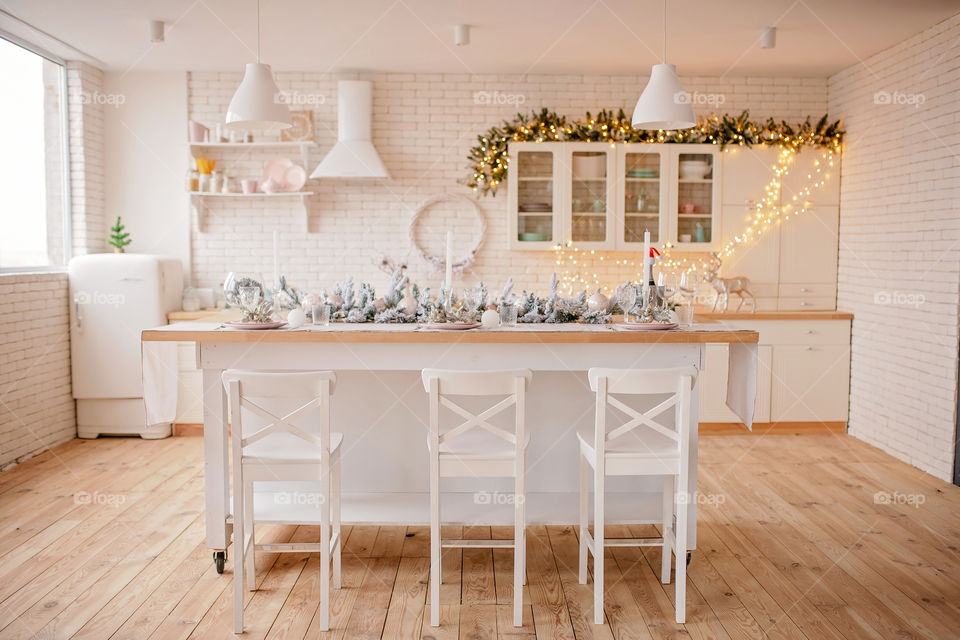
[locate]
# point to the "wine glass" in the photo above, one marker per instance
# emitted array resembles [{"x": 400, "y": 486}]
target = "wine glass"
[
  {"x": 250, "y": 297},
  {"x": 667, "y": 283},
  {"x": 627, "y": 298},
  {"x": 689, "y": 285}
]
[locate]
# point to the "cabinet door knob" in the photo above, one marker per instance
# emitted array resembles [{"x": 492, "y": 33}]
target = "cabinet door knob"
[
  {"x": 808, "y": 348},
  {"x": 809, "y": 332},
  {"x": 804, "y": 290},
  {"x": 803, "y": 303}
]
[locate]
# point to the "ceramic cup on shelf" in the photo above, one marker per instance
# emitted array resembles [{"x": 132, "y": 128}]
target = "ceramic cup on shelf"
[
  {"x": 248, "y": 186},
  {"x": 198, "y": 132},
  {"x": 686, "y": 237}
]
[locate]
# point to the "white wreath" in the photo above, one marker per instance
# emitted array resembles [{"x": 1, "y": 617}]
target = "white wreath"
[{"x": 436, "y": 262}]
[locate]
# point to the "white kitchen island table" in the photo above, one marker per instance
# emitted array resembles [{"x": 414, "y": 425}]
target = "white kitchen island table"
[{"x": 381, "y": 408}]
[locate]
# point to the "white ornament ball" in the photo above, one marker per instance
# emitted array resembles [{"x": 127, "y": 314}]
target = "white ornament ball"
[
  {"x": 490, "y": 319},
  {"x": 597, "y": 302},
  {"x": 296, "y": 318},
  {"x": 409, "y": 304}
]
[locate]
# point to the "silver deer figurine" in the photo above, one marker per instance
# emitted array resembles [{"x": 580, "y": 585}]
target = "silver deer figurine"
[{"x": 739, "y": 286}]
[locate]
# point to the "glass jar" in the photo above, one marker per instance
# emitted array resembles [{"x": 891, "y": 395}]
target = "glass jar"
[{"x": 193, "y": 180}]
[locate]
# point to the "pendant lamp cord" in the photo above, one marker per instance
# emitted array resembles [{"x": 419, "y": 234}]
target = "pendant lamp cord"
[
  {"x": 664, "y": 31},
  {"x": 258, "y": 30}
]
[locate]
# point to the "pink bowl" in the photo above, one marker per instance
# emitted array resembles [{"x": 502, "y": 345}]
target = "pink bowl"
[
  {"x": 248, "y": 186},
  {"x": 688, "y": 208}
]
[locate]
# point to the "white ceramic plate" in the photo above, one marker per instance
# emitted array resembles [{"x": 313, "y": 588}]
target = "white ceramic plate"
[
  {"x": 239, "y": 324},
  {"x": 647, "y": 326},
  {"x": 294, "y": 178},
  {"x": 451, "y": 326},
  {"x": 276, "y": 168}
]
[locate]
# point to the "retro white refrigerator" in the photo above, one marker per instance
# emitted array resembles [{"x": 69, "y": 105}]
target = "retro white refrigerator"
[{"x": 113, "y": 298}]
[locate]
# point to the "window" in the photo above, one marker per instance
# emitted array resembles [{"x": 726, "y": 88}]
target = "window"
[{"x": 34, "y": 202}]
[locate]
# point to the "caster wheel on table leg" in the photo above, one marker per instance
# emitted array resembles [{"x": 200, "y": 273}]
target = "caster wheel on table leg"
[{"x": 219, "y": 559}]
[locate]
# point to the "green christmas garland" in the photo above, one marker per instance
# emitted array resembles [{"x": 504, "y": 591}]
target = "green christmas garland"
[{"x": 488, "y": 159}]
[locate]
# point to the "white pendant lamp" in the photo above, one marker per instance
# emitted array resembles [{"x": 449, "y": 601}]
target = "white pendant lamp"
[
  {"x": 663, "y": 104},
  {"x": 258, "y": 104}
]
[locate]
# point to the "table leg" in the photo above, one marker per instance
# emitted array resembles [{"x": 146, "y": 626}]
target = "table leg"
[{"x": 215, "y": 461}]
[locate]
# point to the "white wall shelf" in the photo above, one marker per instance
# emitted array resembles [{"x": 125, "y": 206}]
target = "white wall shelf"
[
  {"x": 199, "y": 208},
  {"x": 303, "y": 147}
]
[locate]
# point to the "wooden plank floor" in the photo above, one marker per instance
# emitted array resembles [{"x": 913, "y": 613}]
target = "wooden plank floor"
[{"x": 801, "y": 536}]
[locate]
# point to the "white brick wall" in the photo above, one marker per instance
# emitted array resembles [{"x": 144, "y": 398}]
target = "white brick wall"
[
  {"x": 424, "y": 125},
  {"x": 87, "y": 175},
  {"x": 900, "y": 237},
  {"x": 36, "y": 404}
]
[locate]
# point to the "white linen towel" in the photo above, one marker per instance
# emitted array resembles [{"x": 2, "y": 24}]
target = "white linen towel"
[
  {"x": 159, "y": 361},
  {"x": 742, "y": 380}
]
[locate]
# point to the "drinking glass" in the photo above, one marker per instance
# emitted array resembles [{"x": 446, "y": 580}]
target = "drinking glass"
[
  {"x": 685, "y": 314},
  {"x": 667, "y": 283},
  {"x": 627, "y": 298},
  {"x": 508, "y": 315},
  {"x": 249, "y": 297},
  {"x": 689, "y": 285},
  {"x": 320, "y": 314},
  {"x": 471, "y": 300}
]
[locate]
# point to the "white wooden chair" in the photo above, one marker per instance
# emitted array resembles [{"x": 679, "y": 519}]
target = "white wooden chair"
[
  {"x": 641, "y": 446},
  {"x": 477, "y": 449},
  {"x": 291, "y": 446}
]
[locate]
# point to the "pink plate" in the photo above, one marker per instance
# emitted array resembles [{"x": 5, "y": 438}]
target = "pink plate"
[
  {"x": 647, "y": 326},
  {"x": 276, "y": 168},
  {"x": 294, "y": 178},
  {"x": 451, "y": 326},
  {"x": 239, "y": 324}
]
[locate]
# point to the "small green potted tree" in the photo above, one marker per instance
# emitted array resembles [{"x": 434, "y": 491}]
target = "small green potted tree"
[{"x": 118, "y": 237}]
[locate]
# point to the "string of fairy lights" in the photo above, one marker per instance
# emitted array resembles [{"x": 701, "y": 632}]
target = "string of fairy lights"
[{"x": 578, "y": 269}]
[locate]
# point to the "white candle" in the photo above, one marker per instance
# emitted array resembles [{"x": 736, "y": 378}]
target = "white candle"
[
  {"x": 276, "y": 258},
  {"x": 646, "y": 244},
  {"x": 448, "y": 275}
]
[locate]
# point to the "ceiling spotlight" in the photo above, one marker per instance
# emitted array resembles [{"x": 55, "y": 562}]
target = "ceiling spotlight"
[
  {"x": 156, "y": 31},
  {"x": 461, "y": 34},
  {"x": 768, "y": 38}
]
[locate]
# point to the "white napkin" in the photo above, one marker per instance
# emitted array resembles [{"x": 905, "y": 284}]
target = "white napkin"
[
  {"x": 159, "y": 381},
  {"x": 742, "y": 380}
]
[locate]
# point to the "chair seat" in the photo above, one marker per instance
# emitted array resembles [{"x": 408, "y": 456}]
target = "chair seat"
[
  {"x": 644, "y": 445},
  {"x": 286, "y": 447},
  {"x": 478, "y": 443}
]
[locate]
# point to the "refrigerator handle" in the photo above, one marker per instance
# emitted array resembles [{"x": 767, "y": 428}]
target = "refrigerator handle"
[{"x": 76, "y": 313}]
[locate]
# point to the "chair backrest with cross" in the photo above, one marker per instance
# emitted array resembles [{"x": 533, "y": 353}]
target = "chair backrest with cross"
[
  {"x": 511, "y": 384},
  {"x": 643, "y": 432},
  {"x": 266, "y": 406}
]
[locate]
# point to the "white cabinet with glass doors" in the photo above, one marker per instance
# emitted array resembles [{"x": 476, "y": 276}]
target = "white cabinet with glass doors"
[{"x": 594, "y": 195}]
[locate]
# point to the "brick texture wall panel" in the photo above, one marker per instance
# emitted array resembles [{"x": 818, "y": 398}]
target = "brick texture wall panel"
[
  {"x": 37, "y": 409},
  {"x": 423, "y": 128},
  {"x": 899, "y": 263}
]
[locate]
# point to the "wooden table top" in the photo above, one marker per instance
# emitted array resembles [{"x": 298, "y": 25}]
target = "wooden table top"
[{"x": 212, "y": 332}]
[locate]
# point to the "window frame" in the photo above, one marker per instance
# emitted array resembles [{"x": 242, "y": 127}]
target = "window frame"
[{"x": 67, "y": 194}]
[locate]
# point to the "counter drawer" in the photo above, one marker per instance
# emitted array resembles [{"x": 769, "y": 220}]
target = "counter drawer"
[
  {"x": 801, "y": 332},
  {"x": 809, "y": 303},
  {"x": 810, "y": 290}
]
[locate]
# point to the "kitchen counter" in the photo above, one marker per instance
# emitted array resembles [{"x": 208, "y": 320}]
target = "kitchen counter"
[
  {"x": 773, "y": 315},
  {"x": 380, "y": 405}
]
